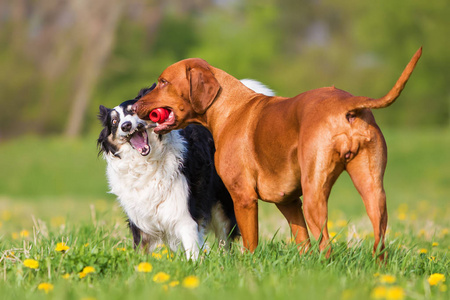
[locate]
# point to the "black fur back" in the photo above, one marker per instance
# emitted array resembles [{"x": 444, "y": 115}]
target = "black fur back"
[{"x": 206, "y": 187}]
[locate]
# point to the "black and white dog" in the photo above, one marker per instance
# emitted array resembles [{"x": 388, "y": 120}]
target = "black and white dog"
[{"x": 166, "y": 184}]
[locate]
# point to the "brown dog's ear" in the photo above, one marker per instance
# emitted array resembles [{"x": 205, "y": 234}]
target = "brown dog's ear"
[{"x": 203, "y": 88}]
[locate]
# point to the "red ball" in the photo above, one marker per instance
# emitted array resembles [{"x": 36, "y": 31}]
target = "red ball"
[{"x": 159, "y": 115}]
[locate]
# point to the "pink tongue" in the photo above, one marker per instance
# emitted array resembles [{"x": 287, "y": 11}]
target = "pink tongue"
[{"x": 139, "y": 142}]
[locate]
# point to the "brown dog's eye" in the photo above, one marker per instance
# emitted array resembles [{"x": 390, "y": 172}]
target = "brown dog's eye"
[{"x": 162, "y": 82}]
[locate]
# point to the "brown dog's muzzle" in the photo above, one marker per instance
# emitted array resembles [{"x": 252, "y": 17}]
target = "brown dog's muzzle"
[{"x": 140, "y": 111}]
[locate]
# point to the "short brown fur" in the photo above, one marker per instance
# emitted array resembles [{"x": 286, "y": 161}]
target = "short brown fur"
[{"x": 277, "y": 149}]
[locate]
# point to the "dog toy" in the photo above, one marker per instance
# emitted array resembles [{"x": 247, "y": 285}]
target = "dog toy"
[{"x": 159, "y": 115}]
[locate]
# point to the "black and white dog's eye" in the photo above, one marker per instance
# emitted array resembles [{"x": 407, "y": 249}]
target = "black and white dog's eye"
[{"x": 114, "y": 122}]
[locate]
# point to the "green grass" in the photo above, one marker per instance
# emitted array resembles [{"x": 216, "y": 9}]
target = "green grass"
[{"x": 55, "y": 190}]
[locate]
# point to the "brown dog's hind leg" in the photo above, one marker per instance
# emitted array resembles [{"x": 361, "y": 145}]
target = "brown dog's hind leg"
[
  {"x": 294, "y": 215},
  {"x": 315, "y": 205},
  {"x": 366, "y": 171},
  {"x": 320, "y": 169},
  {"x": 316, "y": 214}
]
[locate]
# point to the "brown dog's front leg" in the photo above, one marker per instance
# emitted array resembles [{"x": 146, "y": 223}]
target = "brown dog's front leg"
[{"x": 246, "y": 211}]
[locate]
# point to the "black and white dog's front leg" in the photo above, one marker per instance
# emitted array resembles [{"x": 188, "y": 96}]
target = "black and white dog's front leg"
[
  {"x": 136, "y": 232},
  {"x": 140, "y": 238},
  {"x": 190, "y": 236}
]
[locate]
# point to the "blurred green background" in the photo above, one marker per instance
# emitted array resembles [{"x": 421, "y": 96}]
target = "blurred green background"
[{"x": 59, "y": 60}]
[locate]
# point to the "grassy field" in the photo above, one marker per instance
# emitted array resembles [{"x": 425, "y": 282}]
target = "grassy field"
[{"x": 54, "y": 191}]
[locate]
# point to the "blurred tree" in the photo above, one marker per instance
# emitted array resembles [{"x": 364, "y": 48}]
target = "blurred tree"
[
  {"x": 241, "y": 38},
  {"x": 98, "y": 21},
  {"x": 390, "y": 32},
  {"x": 151, "y": 37},
  {"x": 61, "y": 59},
  {"x": 62, "y": 46}
]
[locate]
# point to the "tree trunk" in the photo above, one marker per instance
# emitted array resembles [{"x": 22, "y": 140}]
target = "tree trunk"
[{"x": 100, "y": 24}]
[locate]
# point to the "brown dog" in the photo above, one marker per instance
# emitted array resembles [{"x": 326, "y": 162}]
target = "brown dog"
[{"x": 277, "y": 149}]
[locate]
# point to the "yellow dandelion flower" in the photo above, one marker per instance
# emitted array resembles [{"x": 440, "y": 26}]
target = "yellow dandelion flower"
[
  {"x": 376, "y": 275},
  {"x": 31, "y": 263},
  {"x": 156, "y": 255},
  {"x": 174, "y": 283},
  {"x": 444, "y": 232},
  {"x": 379, "y": 292},
  {"x": 422, "y": 232},
  {"x": 121, "y": 249},
  {"x": 435, "y": 244},
  {"x": 165, "y": 251},
  {"x": 66, "y": 276},
  {"x": 85, "y": 245},
  {"x": 144, "y": 267},
  {"x": 82, "y": 274},
  {"x": 24, "y": 233},
  {"x": 161, "y": 277},
  {"x": 395, "y": 293},
  {"x": 387, "y": 279},
  {"x": 46, "y": 287},
  {"x": 330, "y": 224},
  {"x": 423, "y": 251},
  {"x": 436, "y": 278},
  {"x": 432, "y": 258},
  {"x": 341, "y": 223},
  {"x": 62, "y": 247},
  {"x": 6, "y": 215},
  {"x": 14, "y": 235},
  {"x": 88, "y": 270},
  {"x": 332, "y": 234},
  {"x": 191, "y": 282},
  {"x": 401, "y": 216}
]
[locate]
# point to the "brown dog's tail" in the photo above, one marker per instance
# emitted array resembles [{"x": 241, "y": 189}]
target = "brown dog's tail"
[{"x": 357, "y": 103}]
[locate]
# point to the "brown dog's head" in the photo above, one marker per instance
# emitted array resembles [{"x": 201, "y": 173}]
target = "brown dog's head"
[{"x": 186, "y": 88}]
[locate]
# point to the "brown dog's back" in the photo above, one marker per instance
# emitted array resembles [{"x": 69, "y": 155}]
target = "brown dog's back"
[{"x": 276, "y": 149}]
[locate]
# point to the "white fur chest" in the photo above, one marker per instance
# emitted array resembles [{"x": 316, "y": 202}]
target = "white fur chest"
[{"x": 151, "y": 189}]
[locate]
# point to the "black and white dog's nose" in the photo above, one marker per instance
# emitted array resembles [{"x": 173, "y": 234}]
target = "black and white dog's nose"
[{"x": 126, "y": 126}]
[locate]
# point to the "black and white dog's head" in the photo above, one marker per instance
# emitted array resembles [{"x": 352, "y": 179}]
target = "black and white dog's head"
[{"x": 121, "y": 126}]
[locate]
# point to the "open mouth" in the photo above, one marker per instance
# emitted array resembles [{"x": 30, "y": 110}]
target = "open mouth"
[
  {"x": 138, "y": 139},
  {"x": 164, "y": 126}
]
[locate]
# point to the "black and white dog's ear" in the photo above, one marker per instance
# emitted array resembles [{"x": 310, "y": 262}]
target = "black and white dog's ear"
[
  {"x": 103, "y": 114},
  {"x": 104, "y": 145},
  {"x": 144, "y": 91}
]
